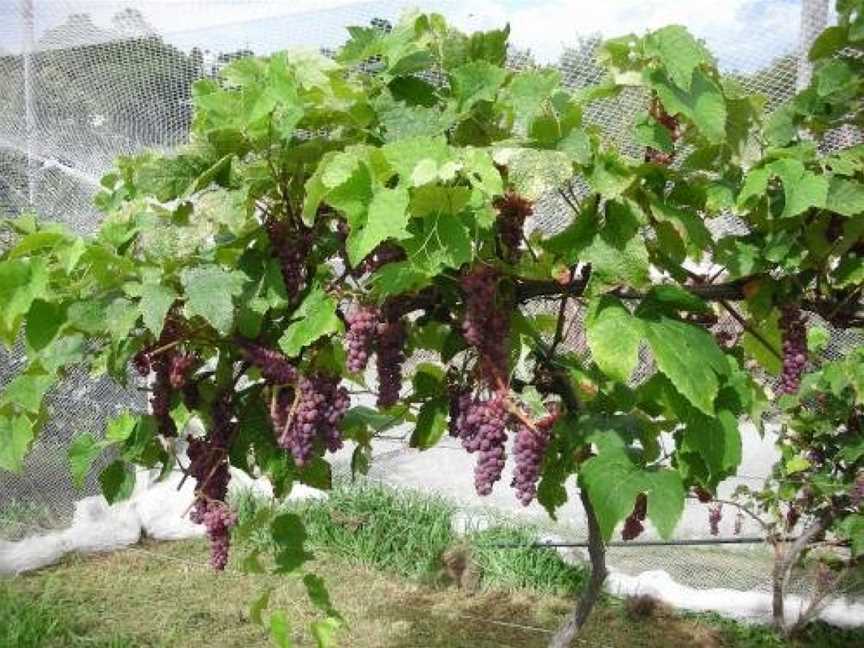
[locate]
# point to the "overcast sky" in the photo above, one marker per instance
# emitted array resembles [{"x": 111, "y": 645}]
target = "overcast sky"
[{"x": 744, "y": 34}]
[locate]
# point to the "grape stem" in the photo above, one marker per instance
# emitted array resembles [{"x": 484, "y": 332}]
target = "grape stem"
[{"x": 756, "y": 334}]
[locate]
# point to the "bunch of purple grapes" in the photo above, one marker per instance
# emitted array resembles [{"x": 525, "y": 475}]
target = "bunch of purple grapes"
[
  {"x": 794, "y": 348},
  {"x": 362, "y": 325},
  {"x": 485, "y": 325},
  {"x": 312, "y": 414},
  {"x": 481, "y": 425},
  {"x": 529, "y": 449},
  {"x": 390, "y": 356},
  {"x": 275, "y": 368},
  {"x": 715, "y": 514},
  {"x": 633, "y": 526},
  {"x": 291, "y": 246},
  {"x": 513, "y": 209},
  {"x": 218, "y": 521},
  {"x": 160, "y": 397}
]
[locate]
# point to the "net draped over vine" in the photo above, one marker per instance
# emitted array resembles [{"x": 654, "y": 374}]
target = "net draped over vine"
[{"x": 84, "y": 82}]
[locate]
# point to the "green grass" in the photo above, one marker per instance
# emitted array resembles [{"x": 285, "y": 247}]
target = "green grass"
[
  {"x": 28, "y": 621},
  {"x": 407, "y": 533},
  {"x": 383, "y": 556},
  {"x": 523, "y": 566}
]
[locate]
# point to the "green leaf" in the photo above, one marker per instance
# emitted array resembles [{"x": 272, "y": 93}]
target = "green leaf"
[
  {"x": 769, "y": 331},
  {"x": 818, "y": 338},
  {"x": 440, "y": 240},
  {"x": 314, "y": 318},
  {"x": 431, "y": 423},
  {"x": 703, "y": 103},
  {"x": 44, "y": 322},
  {"x": 614, "y": 479},
  {"x": 534, "y": 172},
  {"x": 27, "y": 390},
  {"x": 796, "y": 464},
  {"x": 852, "y": 526},
  {"x": 577, "y": 146},
  {"x": 528, "y": 90},
  {"x": 210, "y": 293},
  {"x": 280, "y": 630},
  {"x": 678, "y": 51},
  {"x": 167, "y": 178},
  {"x": 610, "y": 175},
  {"x": 613, "y": 336},
  {"x": 386, "y": 218},
  {"x": 651, "y": 133},
  {"x": 156, "y": 300},
  {"x": 717, "y": 441},
  {"x": 476, "y": 81},
  {"x": 689, "y": 357},
  {"x": 802, "y": 188},
  {"x": 289, "y": 536},
  {"x": 259, "y": 605},
  {"x": 323, "y": 631},
  {"x": 16, "y": 435},
  {"x": 82, "y": 453},
  {"x": 845, "y": 197},
  {"x": 121, "y": 427},
  {"x": 117, "y": 481},
  {"x": 318, "y": 595},
  {"x": 21, "y": 282}
]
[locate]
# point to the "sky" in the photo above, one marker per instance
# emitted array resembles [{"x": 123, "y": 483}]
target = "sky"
[{"x": 743, "y": 34}]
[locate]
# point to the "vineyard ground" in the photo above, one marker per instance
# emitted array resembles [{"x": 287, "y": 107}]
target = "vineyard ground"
[
  {"x": 164, "y": 595},
  {"x": 380, "y": 553}
]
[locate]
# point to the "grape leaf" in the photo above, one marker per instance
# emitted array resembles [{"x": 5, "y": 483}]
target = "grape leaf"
[
  {"x": 845, "y": 197},
  {"x": 702, "y": 103},
  {"x": 769, "y": 331},
  {"x": 21, "y": 282},
  {"x": 534, "y": 172},
  {"x": 82, "y": 453},
  {"x": 117, "y": 481},
  {"x": 26, "y": 390},
  {"x": 387, "y": 217},
  {"x": 802, "y": 188},
  {"x": 613, "y": 336},
  {"x": 16, "y": 435},
  {"x": 288, "y": 536},
  {"x": 315, "y": 317},
  {"x": 210, "y": 293},
  {"x": 689, "y": 357},
  {"x": 678, "y": 51},
  {"x": 431, "y": 423},
  {"x": 156, "y": 300},
  {"x": 44, "y": 321},
  {"x": 528, "y": 90},
  {"x": 476, "y": 81},
  {"x": 167, "y": 178},
  {"x": 613, "y": 479}
]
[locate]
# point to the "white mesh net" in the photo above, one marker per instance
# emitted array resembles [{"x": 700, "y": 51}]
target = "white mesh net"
[{"x": 84, "y": 81}]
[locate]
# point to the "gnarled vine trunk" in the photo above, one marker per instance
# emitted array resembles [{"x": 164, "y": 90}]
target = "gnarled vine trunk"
[
  {"x": 784, "y": 562},
  {"x": 597, "y": 553}
]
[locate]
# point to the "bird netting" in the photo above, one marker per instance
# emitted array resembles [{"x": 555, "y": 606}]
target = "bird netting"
[{"x": 83, "y": 82}]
